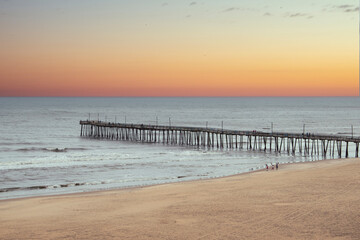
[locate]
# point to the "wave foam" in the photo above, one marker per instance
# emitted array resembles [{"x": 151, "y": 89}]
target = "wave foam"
[{"x": 37, "y": 149}]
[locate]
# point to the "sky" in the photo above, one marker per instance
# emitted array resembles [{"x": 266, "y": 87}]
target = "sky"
[{"x": 179, "y": 48}]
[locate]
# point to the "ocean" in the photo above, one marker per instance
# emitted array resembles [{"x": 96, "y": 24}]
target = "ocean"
[{"x": 41, "y": 152}]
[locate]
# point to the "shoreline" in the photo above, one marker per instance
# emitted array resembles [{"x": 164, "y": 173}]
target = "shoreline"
[
  {"x": 177, "y": 182},
  {"x": 298, "y": 201},
  {"x": 159, "y": 184}
]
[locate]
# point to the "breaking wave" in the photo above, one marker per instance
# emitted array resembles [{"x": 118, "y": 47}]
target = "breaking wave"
[{"x": 36, "y": 149}]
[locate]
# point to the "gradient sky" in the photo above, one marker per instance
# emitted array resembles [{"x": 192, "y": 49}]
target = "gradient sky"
[{"x": 179, "y": 48}]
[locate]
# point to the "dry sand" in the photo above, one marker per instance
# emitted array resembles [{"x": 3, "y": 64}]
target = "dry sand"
[{"x": 319, "y": 200}]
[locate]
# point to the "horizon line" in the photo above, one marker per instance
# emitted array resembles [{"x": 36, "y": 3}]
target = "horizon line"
[{"x": 260, "y": 96}]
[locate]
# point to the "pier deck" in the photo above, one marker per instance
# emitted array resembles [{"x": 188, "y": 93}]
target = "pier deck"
[{"x": 291, "y": 143}]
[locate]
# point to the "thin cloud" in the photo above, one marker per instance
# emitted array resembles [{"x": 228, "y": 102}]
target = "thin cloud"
[
  {"x": 267, "y": 14},
  {"x": 299, "y": 14},
  {"x": 346, "y": 8},
  {"x": 349, "y": 10},
  {"x": 231, "y": 9},
  {"x": 192, "y": 3}
]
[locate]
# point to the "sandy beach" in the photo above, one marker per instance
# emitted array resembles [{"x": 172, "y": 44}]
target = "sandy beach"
[{"x": 317, "y": 200}]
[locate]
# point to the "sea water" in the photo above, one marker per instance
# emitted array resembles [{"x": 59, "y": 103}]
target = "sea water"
[{"x": 41, "y": 152}]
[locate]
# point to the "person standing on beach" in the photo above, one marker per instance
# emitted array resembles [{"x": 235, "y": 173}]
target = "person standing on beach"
[
  {"x": 267, "y": 167},
  {"x": 277, "y": 166}
]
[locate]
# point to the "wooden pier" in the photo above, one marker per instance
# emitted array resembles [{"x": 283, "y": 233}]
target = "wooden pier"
[{"x": 290, "y": 143}]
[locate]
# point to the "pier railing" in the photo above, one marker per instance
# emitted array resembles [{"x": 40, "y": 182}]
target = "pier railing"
[{"x": 291, "y": 143}]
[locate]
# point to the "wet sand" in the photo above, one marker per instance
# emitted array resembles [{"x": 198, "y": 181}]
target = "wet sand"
[{"x": 317, "y": 200}]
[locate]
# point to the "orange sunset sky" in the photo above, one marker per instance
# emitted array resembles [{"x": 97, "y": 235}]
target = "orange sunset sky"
[{"x": 179, "y": 48}]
